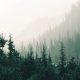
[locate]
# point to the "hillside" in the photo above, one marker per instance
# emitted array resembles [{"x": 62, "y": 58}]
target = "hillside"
[{"x": 68, "y": 32}]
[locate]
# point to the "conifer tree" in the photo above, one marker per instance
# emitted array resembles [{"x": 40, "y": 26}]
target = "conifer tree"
[
  {"x": 62, "y": 63},
  {"x": 50, "y": 71},
  {"x": 2, "y": 41},
  {"x": 72, "y": 67},
  {"x": 44, "y": 55},
  {"x": 3, "y": 58},
  {"x": 28, "y": 65},
  {"x": 72, "y": 64},
  {"x": 49, "y": 59},
  {"x": 11, "y": 49},
  {"x": 13, "y": 55},
  {"x": 2, "y": 44}
]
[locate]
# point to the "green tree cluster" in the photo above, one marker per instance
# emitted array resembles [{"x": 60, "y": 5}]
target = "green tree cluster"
[{"x": 15, "y": 67}]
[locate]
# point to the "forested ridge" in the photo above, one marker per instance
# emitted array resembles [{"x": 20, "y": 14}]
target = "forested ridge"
[
  {"x": 68, "y": 32},
  {"x": 13, "y": 66}
]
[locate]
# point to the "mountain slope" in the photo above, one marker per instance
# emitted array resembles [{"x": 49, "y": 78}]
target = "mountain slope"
[{"x": 68, "y": 32}]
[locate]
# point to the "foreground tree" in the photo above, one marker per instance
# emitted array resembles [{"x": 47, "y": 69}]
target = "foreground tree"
[
  {"x": 13, "y": 55},
  {"x": 2, "y": 54},
  {"x": 11, "y": 50}
]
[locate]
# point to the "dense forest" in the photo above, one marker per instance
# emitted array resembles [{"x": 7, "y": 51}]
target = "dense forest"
[
  {"x": 13, "y": 66},
  {"x": 68, "y": 31}
]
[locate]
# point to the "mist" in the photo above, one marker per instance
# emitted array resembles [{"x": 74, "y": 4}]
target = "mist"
[{"x": 23, "y": 17}]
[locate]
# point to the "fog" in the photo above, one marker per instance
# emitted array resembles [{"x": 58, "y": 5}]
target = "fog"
[{"x": 22, "y": 17}]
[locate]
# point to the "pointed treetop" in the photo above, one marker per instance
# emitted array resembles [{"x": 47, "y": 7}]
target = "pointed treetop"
[{"x": 2, "y": 41}]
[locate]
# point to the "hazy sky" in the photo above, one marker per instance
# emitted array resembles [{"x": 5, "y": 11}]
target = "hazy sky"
[{"x": 15, "y": 15}]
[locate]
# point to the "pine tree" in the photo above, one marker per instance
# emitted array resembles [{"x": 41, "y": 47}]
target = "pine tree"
[
  {"x": 72, "y": 67},
  {"x": 11, "y": 50},
  {"x": 72, "y": 64},
  {"x": 44, "y": 63},
  {"x": 62, "y": 63},
  {"x": 28, "y": 67},
  {"x": 50, "y": 70},
  {"x": 44, "y": 55},
  {"x": 49, "y": 59},
  {"x": 2, "y": 41},
  {"x": 3, "y": 58},
  {"x": 13, "y": 60},
  {"x": 13, "y": 54},
  {"x": 2, "y": 44}
]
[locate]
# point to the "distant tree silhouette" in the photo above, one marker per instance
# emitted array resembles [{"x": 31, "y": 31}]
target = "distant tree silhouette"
[
  {"x": 44, "y": 55},
  {"x": 62, "y": 63}
]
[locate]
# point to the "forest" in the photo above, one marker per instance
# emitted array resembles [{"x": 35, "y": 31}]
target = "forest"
[
  {"x": 13, "y": 66},
  {"x": 52, "y": 28}
]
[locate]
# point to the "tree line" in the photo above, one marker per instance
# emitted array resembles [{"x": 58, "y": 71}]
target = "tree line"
[{"x": 35, "y": 67}]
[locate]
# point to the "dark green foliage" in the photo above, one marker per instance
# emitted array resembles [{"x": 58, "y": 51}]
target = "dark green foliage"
[
  {"x": 3, "y": 57},
  {"x": 2, "y": 41},
  {"x": 62, "y": 62},
  {"x": 44, "y": 56},
  {"x": 72, "y": 64},
  {"x": 2, "y": 54},
  {"x": 30, "y": 67},
  {"x": 13, "y": 55}
]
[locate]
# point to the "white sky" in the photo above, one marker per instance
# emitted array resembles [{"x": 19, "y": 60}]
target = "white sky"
[{"x": 15, "y": 15}]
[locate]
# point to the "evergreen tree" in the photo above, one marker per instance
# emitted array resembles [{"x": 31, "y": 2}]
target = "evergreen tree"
[
  {"x": 11, "y": 50},
  {"x": 13, "y": 60},
  {"x": 44, "y": 55},
  {"x": 50, "y": 70},
  {"x": 2, "y": 41},
  {"x": 62, "y": 63},
  {"x": 73, "y": 69},
  {"x": 28, "y": 67},
  {"x": 49, "y": 59},
  {"x": 2, "y": 54},
  {"x": 72, "y": 65},
  {"x": 13, "y": 54},
  {"x": 3, "y": 58}
]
